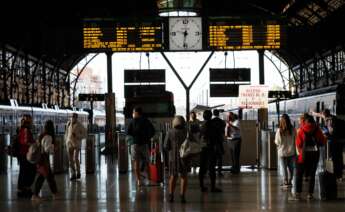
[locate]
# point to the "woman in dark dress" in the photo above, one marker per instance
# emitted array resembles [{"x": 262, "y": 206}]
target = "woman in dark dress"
[{"x": 177, "y": 165}]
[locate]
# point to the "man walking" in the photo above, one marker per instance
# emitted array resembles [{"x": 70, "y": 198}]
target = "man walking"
[{"x": 75, "y": 132}]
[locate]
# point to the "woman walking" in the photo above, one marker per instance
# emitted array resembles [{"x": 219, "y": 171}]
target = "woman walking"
[
  {"x": 177, "y": 165},
  {"x": 47, "y": 140}
]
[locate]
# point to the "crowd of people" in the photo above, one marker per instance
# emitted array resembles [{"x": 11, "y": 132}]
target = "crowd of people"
[
  {"x": 33, "y": 173},
  {"x": 302, "y": 150},
  {"x": 298, "y": 150}
]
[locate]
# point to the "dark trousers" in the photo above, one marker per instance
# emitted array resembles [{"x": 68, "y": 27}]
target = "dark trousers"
[
  {"x": 219, "y": 163},
  {"x": 51, "y": 182},
  {"x": 308, "y": 167},
  {"x": 337, "y": 158},
  {"x": 27, "y": 173},
  {"x": 208, "y": 161},
  {"x": 235, "y": 150}
]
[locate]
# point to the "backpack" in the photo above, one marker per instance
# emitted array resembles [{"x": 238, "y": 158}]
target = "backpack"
[{"x": 34, "y": 153}]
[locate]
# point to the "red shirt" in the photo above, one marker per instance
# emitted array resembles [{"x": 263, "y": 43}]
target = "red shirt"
[
  {"x": 25, "y": 139},
  {"x": 300, "y": 139}
]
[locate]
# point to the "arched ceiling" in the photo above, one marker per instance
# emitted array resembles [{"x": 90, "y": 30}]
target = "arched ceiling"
[{"x": 53, "y": 31}]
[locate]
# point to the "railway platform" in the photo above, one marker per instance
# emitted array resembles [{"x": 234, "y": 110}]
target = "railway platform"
[{"x": 106, "y": 190}]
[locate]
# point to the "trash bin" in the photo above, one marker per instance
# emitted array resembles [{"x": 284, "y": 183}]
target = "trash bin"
[
  {"x": 268, "y": 150},
  {"x": 122, "y": 153},
  {"x": 90, "y": 161},
  {"x": 4, "y": 142}
]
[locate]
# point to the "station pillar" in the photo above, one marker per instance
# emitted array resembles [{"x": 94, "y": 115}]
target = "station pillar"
[
  {"x": 263, "y": 112},
  {"x": 110, "y": 140}
]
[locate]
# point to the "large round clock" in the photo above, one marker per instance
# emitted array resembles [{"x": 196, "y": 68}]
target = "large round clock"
[{"x": 185, "y": 33}]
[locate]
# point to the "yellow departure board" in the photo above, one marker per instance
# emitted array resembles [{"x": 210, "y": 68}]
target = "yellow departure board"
[
  {"x": 100, "y": 35},
  {"x": 223, "y": 36}
]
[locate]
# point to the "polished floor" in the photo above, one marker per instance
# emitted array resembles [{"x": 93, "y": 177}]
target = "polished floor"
[{"x": 251, "y": 190}]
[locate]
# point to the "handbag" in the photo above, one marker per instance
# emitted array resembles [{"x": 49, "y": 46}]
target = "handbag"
[{"x": 190, "y": 147}]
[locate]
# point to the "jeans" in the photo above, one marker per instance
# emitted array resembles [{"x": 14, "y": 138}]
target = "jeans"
[
  {"x": 308, "y": 167},
  {"x": 288, "y": 167}
]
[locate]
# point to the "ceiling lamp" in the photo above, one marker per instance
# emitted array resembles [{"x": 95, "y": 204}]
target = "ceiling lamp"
[{"x": 179, "y": 7}]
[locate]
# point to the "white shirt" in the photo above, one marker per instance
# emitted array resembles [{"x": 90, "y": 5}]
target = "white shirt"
[
  {"x": 235, "y": 132},
  {"x": 79, "y": 132},
  {"x": 285, "y": 144},
  {"x": 47, "y": 144}
]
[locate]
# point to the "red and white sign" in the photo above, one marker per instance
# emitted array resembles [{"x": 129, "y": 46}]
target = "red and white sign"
[{"x": 253, "y": 96}]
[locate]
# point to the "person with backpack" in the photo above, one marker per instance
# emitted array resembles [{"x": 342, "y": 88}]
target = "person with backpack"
[
  {"x": 309, "y": 139},
  {"x": 27, "y": 170},
  {"x": 75, "y": 132},
  {"x": 285, "y": 141},
  {"x": 46, "y": 142},
  {"x": 142, "y": 130},
  {"x": 336, "y": 137}
]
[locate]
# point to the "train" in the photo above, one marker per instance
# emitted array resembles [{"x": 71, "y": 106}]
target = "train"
[{"x": 10, "y": 116}]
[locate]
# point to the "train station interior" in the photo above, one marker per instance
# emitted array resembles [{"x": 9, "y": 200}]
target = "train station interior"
[{"x": 262, "y": 67}]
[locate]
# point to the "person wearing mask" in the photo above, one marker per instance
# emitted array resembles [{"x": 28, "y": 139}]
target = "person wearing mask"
[
  {"x": 233, "y": 135},
  {"x": 27, "y": 170},
  {"x": 47, "y": 140},
  {"x": 285, "y": 141},
  {"x": 177, "y": 166},
  {"x": 309, "y": 139},
  {"x": 75, "y": 132},
  {"x": 208, "y": 156},
  {"x": 335, "y": 145},
  {"x": 219, "y": 127},
  {"x": 141, "y": 130}
]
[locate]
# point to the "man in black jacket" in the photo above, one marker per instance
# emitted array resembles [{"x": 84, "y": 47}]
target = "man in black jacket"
[
  {"x": 142, "y": 130},
  {"x": 219, "y": 132}
]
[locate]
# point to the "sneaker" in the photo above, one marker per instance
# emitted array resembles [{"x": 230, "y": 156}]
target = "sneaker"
[
  {"x": 216, "y": 190},
  {"x": 36, "y": 198},
  {"x": 310, "y": 197},
  {"x": 294, "y": 197},
  {"x": 183, "y": 199}
]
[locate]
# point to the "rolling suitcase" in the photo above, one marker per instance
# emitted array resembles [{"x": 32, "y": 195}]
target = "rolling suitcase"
[
  {"x": 155, "y": 164},
  {"x": 328, "y": 186}
]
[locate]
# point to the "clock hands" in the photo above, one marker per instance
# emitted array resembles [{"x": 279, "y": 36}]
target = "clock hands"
[{"x": 185, "y": 33}]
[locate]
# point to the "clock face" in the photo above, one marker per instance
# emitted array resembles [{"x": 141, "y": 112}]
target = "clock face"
[{"x": 185, "y": 33}]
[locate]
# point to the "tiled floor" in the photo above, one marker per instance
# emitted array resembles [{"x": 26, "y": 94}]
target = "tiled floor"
[{"x": 106, "y": 190}]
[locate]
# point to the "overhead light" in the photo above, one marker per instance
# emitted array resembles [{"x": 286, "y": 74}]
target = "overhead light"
[
  {"x": 178, "y": 7},
  {"x": 177, "y": 13}
]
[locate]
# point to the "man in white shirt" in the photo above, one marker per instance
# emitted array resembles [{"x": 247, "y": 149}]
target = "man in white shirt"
[
  {"x": 75, "y": 132},
  {"x": 234, "y": 137}
]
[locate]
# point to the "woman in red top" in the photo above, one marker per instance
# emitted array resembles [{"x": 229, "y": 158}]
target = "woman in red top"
[
  {"x": 27, "y": 171},
  {"x": 309, "y": 139}
]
